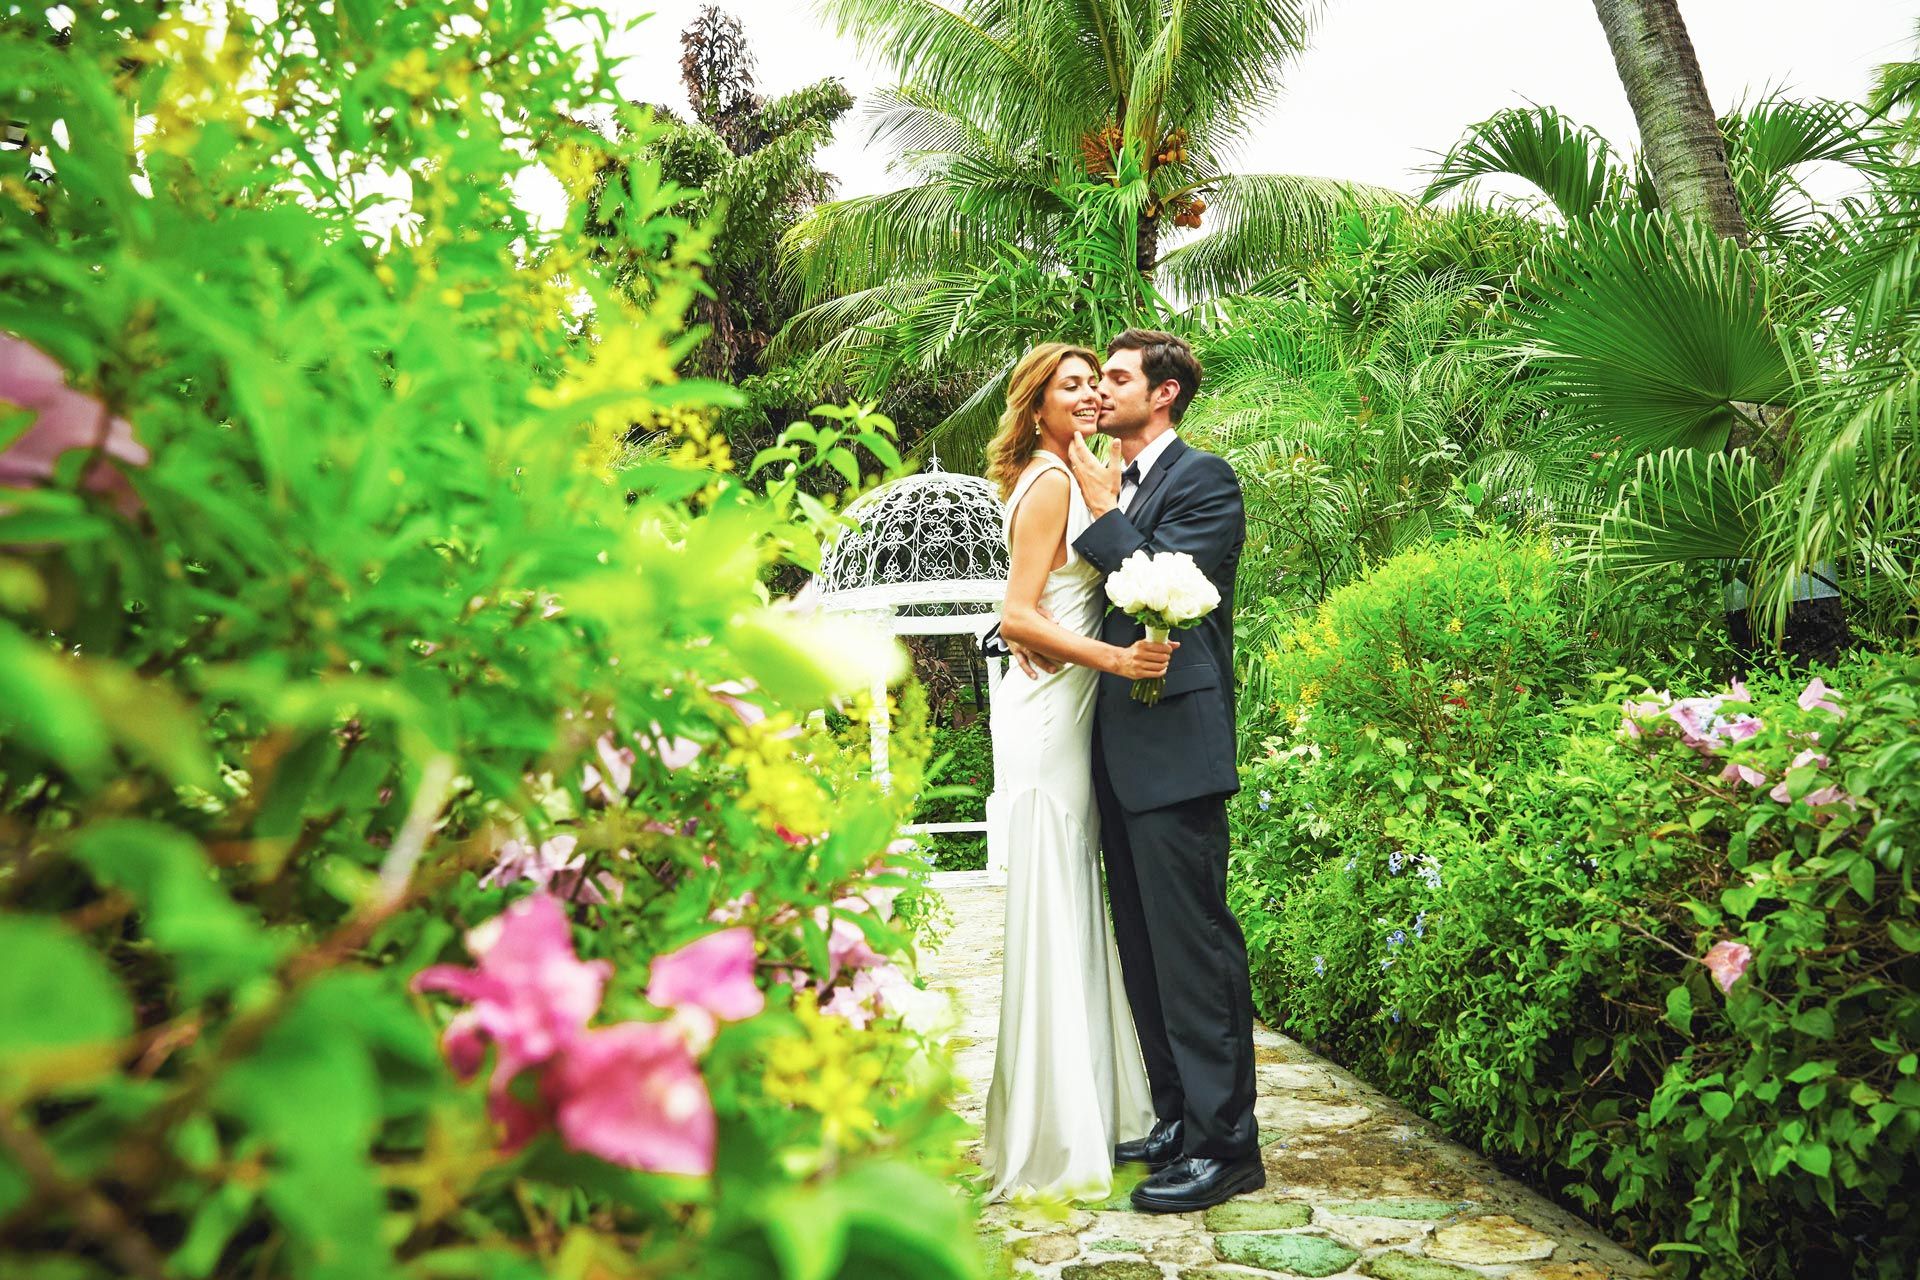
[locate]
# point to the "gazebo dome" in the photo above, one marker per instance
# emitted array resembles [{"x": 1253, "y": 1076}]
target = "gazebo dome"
[{"x": 930, "y": 549}]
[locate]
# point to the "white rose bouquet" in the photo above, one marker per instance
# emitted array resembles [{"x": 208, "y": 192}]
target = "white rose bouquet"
[{"x": 1162, "y": 593}]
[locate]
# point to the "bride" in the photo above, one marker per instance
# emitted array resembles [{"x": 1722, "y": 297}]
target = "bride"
[{"x": 1068, "y": 1080}]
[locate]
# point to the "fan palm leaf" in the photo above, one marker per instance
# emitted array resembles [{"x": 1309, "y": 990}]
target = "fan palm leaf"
[
  {"x": 1771, "y": 142},
  {"x": 1660, "y": 331}
]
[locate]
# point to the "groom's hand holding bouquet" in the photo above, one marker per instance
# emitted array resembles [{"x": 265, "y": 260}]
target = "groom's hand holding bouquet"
[{"x": 1161, "y": 592}]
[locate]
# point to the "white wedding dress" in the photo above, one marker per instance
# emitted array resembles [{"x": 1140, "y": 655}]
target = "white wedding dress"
[{"x": 1068, "y": 1079}]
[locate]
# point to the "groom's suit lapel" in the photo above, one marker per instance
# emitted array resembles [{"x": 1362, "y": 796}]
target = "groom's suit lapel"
[{"x": 1150, "y": 485}]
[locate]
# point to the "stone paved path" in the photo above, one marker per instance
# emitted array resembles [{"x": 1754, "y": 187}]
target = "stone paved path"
[{"x": 1357, "y": 1185}]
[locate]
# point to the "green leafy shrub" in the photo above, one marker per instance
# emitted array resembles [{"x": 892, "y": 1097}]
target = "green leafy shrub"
[
  {"x": 1443, "y": 650},
  {"x": 1666, "y": 956},
  {"x": 961, "y": 795},
  {"x": 361, "y": 639}
]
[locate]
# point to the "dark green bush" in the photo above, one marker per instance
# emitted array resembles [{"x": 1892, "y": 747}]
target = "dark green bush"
[
  {"x": 959, "y": 794},
  {"x": 1517, "y": 944}
]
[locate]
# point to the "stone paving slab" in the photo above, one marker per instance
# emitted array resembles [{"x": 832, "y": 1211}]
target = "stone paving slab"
[{"x": 1357, "y": 1185}]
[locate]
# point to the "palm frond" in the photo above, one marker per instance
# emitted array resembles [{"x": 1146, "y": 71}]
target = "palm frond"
[
  {"x": 1264, "y": 222},
  {"x": 1770, "y": 142},
  {"x": 1571, "y": 164},
  {"x": 1656, "y": 329},
  {"x": 855, "y": 244},
  {"x": 1679, "y": 505},
  {"x": 966, "y": 58}
]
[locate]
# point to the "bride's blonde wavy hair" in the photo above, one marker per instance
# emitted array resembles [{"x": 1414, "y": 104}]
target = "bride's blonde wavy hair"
[{"x": 1013, "y": 444}]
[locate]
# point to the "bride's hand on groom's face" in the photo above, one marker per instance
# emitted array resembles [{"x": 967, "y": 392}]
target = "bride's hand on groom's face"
[{"x": 1099, "y": 481}]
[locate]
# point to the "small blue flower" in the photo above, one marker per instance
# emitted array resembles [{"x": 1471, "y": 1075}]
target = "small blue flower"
[
  {"x": 1420, "y": 925},
  {"x": 1396, "y": 1016},
  {"x": 1395, "y": 861},
  {"x": 1266, "y": 799},
  {"x": 1351, "y": 863},
  {"x": 1398, "y": 938},
  {"x": 1320, "y": 965}
]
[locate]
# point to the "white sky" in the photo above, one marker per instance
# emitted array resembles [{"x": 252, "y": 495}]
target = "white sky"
[{"x": 1385, "y": 83}]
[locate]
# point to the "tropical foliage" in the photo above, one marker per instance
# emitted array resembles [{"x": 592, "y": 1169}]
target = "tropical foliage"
[
  {"x": 1660, "y": 950},
  {"x": 366, "y": 727},
  {"x": 1051, "y": 155},
  {"x": 393, "y": 689}
]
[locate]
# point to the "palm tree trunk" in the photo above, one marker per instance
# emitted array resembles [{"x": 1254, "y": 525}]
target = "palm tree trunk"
[
  {"x": 1146, "y": 253},
  {"x": 1678, "y": 133}
]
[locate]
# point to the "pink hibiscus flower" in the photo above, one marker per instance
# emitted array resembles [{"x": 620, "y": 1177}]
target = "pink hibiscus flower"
[
  {"x": 1816, "y": 695},
  {"x": 1727, "y": 961}
]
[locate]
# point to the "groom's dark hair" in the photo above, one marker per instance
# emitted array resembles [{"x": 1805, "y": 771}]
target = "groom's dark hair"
[{"x": 1163, "y": 357}]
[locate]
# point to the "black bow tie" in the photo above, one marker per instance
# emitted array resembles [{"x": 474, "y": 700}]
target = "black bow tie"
[{"x": 1131, "y": 475}]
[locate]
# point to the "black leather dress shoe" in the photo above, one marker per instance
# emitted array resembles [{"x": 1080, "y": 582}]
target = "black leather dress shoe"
[
  {"x": 1199, "y": 1182},
  {"x": 1160, "y": 1148}
]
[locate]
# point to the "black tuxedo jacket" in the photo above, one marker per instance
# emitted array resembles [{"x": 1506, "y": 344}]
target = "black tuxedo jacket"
[{"x": 1183, "y": 747}]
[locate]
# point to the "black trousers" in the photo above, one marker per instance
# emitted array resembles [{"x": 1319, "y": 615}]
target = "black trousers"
[{"x": 1184, "y": 963}]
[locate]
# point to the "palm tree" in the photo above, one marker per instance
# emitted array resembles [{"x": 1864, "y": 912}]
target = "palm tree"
[
  {"x": 1682, "y": 355},
  {"x": 1003, "y": 116},
  {"x": 749, "y": 169},
  {"x": 1685, "y": 153}
]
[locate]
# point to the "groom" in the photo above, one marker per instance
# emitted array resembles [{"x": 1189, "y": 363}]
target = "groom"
[{"x": 1161, "y": 777}]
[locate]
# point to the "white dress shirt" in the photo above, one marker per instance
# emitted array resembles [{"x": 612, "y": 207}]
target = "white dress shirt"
[{"x": 1148, "y": 456}]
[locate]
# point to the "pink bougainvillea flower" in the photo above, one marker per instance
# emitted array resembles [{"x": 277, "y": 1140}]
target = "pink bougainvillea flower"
[
  {"x": 792, "y": 837},
  {"x": 1727, "y": 961},
  {"x": 632, "y": 1095},
  {"x": 732, "y": 694},
  {"x": 714, "y": 973},
  {"x": 1815, "y": 695},
  {"x": 554, "y": 866},
  {"x": 529, "y": 994},
  {"x": 63, "y": 420},
  {"x": 1813, "y": 758},
  {"x": 885, "y": 991},
  {"x": 1746, "y": 773},
  {"x": 875, "y": 898},
  {"x": 847, "y": 945},
  {"x": 608, "y": 778},
  {"x": 674, "y": 753},
  {"x": 850, "y": 1004},
  {"x": 733, "y": 909},
  {"x": 1648, "y": 706},
  {"x": 1697, "y": 718}
]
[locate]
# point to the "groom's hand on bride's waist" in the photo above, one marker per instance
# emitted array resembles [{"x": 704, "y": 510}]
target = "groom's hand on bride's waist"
[{"x": 1031, "y": 661}]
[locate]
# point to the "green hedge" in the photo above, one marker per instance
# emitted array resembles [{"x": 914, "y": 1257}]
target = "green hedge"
[
  {"x": 1511, "y": 934},
  {"x": 960, "y": 794}
]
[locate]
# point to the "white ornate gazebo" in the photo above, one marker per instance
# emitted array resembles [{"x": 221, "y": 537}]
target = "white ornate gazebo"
[{"x": 927, "y": 555}]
